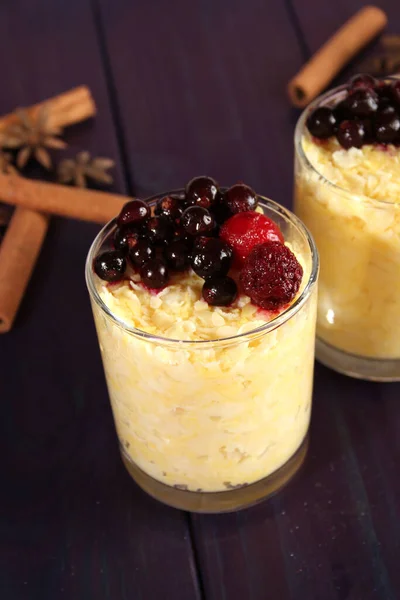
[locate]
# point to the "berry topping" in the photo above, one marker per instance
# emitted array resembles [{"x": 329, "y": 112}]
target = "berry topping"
[
  {"x": 197, "y": 221},
  {"x": 169, "y": 207},
  {"x": 159, "y": 230},
  {"x": 135, "y": 211},
  {"x": 126, "y": 237},
  {"x": 201, "y": 191},
  {"x": 351, "y": 134},
  {"x": 245, "y": 230},
  {"x": 395, "y": 92},
  {"x": 154, "y": 273},
  {"x": 341, "y": 113},
  {"x": 219, "y": 291},
  {"x": 363, "y": 80},
  {"x": 141, "y": 252},
  {"x": 321, "y": 123},
  {"x": 177, "y": 255},
  {"x": 220, "y": 211},
  {"x": 271, "y": 275},
  {"x": 387, "y": 127},
  {"x": 211, "y": 256},
  {"x": 110, "y": 266},
  {"x": 240, "y": 198},
  {"x": 362, "y": 102}
]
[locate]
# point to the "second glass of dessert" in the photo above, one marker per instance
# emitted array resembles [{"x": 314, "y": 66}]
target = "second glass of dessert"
[
  {"x": 347, "y": 192},
  {"x": 205, "y": 307}
]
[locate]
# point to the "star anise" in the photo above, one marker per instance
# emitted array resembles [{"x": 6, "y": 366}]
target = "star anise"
[
  {"x": 33, "y": 136},
  {"x": 6, "y": 165},
  {"x": 84, "y": 167}
]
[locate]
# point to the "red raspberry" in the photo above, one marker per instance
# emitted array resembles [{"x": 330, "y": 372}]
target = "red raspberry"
[
  {"x": 246, "y": 230},
  {"x": 271, "y": 275}
]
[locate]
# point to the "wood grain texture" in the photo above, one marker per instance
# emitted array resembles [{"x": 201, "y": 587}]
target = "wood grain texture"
[
  {"x": 208, "y": 95},
  {"x": 200, "y": 88},
  {"x": 73, "y": 525}
]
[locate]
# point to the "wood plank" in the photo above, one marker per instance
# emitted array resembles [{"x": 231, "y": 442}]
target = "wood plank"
[
  {"x": 73, "y": 525},
  {"x": 201, "y": 88},
  {"x": 367, "y": 416}
]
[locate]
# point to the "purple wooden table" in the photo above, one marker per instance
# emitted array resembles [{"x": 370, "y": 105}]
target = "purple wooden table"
[{"x": 182, "y": 88}]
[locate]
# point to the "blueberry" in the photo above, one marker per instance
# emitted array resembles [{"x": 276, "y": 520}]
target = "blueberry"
[
  {"x": 141, "y": 252},
  {"x": 219, "y": 291},
  {"x": 362, "y": 102},
  {"x": 321, "y": 123},
  {"x": 351, "y": 134},
  {"x": 110, "y": 266},
  {"x": 197, "y": 221},
  {"x": 363, "y": 80},
  {"x": 201, "y": 191},
  {"x": 387, "y": 128},
  {"x": 177, "y": 255},
  {"x": 169, "y": 207},
  {"x": 154, "y": 273},
  {"x": 211, "y": 257},
  {"x": 240, "y": 198},
  {"x": 159, "y": 230},
  {"x": 135, "y": 211},
  {"x": 126, "y": 237}
]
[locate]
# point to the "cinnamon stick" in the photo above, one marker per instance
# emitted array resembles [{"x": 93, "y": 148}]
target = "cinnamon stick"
[
  {"x": 61, "y": 200},
  {"x": 319, "y": 71},
  {"x": 66, "y": 109},
  {"x": 18, "y": 253},
  {"x": 23, "y": 240}
]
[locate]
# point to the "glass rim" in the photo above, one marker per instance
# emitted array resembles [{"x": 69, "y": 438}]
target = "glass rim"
[
  {"x": 322, "y": 100},
  {"x": 276, "y": 322}
]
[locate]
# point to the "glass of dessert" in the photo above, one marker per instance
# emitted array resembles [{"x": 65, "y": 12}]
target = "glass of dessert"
[
  {"x": 347, "y": 192},
  {"x": 204, "y": 302}
]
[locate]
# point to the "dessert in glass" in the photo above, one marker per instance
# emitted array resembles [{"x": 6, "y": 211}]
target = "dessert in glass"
[
  {"x": 204, "y": 301},
  {"x": 347, "y": 192}
]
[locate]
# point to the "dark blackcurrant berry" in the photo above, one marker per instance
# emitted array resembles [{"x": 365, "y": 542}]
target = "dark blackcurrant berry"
[
  {"x": 341, "y": 112},
  {"x": 369, "y": 131},
  {"x": 395, "y": 91},
  {"x": 321, "y": 123},
  {"x": 387, "y": 109},
  {"x": 387, "y": 128},
  {"x": 110, "y": 266},
  {"x": 177, "y": 255},
  {"x": 362, "y": 102},
  {"x": 197, "y": 221},
  {"x": 201, "y": 191},
  {"x": 220, "y": 211},
  {"x": 154, "y": 273},
  {"x": 141, "y": 252},
  {"x": 159, "y": 230},
  {"x": 135, "y": 211},
  {"x": 240, "y": 198},
  {"x": 363, "y": 80},
  {"x": 351, "y": 134},
  {"x": 126, "y": 237},
  {"x": 211, "y": 256},
  {"x": 219, "y": 291},
  {"x": 183, "y": 236},
  {"x": 384, "y": 91},
  {"x": 169, "y": 207}
]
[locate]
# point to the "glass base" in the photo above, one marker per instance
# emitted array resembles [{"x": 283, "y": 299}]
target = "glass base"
[
  {"x": 372, "y": 369},
  {"x": 218, "y": 502}
]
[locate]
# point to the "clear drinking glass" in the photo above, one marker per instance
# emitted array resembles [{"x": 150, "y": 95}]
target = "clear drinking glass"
[
  {"x": 358, "y": 240},
  {"x": 213, "y": 426}
]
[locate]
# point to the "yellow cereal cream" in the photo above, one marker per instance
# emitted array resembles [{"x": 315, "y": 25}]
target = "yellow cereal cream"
[{"x": 350, "y": 200}]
